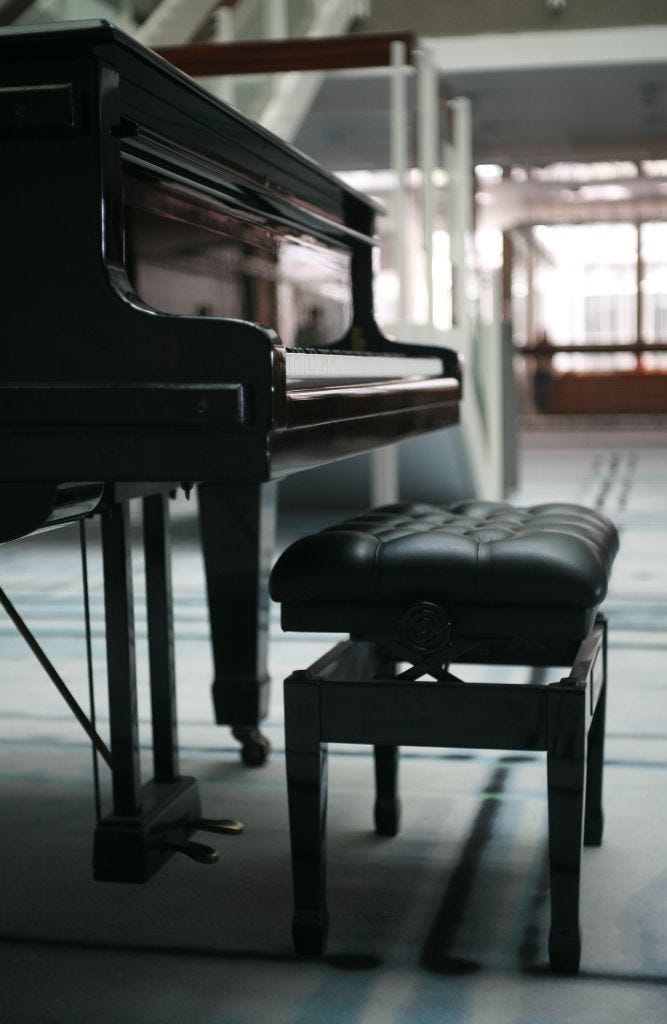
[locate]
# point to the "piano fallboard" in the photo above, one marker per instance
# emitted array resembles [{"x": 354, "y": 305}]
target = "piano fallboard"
[{"x": 320, "y": 425}]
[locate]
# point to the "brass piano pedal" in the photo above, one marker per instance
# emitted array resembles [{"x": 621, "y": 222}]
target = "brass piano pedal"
[
  {"x": 198, "y": 852},
  {"x": 219, "y": 826}
]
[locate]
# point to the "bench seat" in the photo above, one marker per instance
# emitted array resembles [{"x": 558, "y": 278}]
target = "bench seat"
[{"x": 497, "y": 570}]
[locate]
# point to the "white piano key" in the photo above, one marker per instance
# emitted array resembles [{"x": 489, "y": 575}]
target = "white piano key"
[{"x": 308, "y": 369}]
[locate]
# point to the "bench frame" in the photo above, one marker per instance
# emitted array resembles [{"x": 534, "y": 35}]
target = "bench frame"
[{"x": 354, "y": 695}]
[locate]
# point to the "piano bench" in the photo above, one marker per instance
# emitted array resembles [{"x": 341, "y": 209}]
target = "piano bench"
[{"x": 429, "y": 586}]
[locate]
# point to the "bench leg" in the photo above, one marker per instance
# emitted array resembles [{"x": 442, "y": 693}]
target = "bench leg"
[
  {"x": 566, "y": 781},
  {"x": 387, "y": 809},
  {"x": 306, "y": 763},
  {"x": 594, "y": 820}
]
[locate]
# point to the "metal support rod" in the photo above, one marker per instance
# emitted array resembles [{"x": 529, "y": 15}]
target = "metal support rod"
[
  {"x": 224, "y": 31},
  {"x": 428, "y": 138},
  {"x": 384, "y": 466},
  {"x": 460, "y": 209},
  {"x": 275, "y": 12},
  {"x": 399, "y": 165},
  {"x": 89, "y": 662},
  {"x": 384, "y": 476},
  {"x": 495, "y": 394},
  {"x": 639, "y": 333},
  {"x": 55, "y": 678}
]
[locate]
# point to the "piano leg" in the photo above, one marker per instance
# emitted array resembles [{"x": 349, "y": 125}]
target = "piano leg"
[{"x": 237, "y": 525}]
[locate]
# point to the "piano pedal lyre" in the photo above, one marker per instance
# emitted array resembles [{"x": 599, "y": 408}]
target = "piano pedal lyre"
[
  {"x": 131, "y": 847},
  {"x": 151, "y": 822}
]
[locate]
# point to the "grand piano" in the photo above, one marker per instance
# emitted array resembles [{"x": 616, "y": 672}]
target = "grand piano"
[{"x": 161, "y": 253}]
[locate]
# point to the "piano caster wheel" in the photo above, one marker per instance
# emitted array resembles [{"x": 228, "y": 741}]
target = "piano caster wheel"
[{"x": 254, "y": 746}]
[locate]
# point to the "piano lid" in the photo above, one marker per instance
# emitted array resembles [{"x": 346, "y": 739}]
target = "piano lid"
[{"x": 164, "y": 111}]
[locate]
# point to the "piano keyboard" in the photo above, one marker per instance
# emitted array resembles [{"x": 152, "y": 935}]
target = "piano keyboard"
[{"x": 312, "y": 367}]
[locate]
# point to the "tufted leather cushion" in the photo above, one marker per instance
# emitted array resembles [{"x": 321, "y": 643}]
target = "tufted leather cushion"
[{"x": 471, "y": 552}]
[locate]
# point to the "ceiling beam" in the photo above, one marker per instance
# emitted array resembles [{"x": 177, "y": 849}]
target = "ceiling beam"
[{"x": 500, "y": 51}]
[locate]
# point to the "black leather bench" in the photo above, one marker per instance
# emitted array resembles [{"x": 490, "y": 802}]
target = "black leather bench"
[{"x": 427, "y": 586}]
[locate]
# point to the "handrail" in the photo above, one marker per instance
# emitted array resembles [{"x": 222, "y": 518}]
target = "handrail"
[
  {"x": 609, "y": 348},
  {"x": 310, "y": 53}
]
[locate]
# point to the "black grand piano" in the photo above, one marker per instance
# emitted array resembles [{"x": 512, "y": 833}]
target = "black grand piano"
[{"x": 160, "y": 255}]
